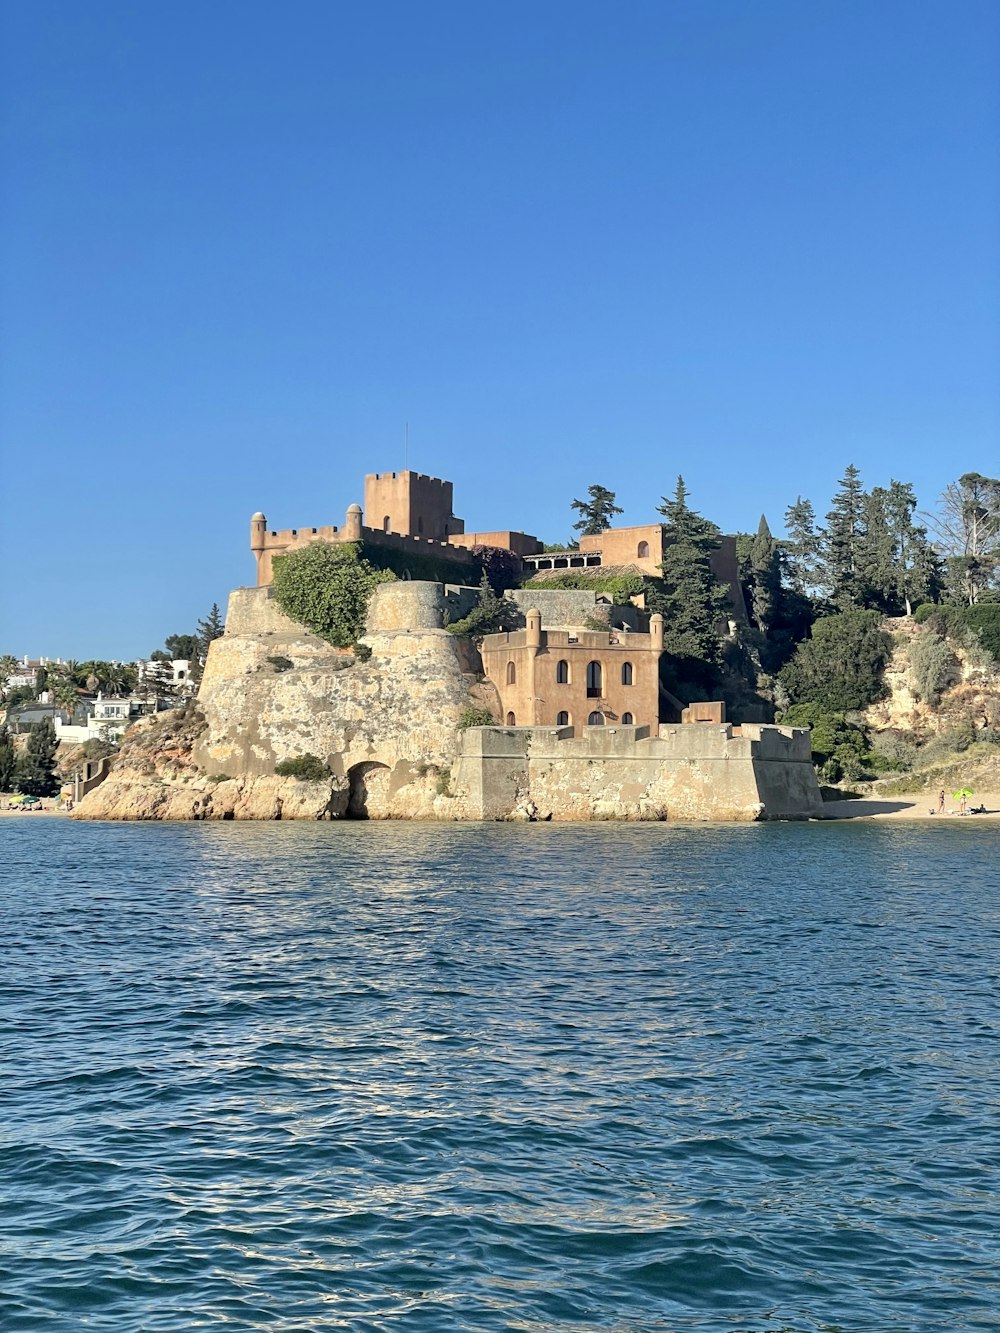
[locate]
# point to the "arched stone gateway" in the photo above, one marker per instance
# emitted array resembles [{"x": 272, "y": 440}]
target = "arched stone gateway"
[{"x": 368, "y": 791}]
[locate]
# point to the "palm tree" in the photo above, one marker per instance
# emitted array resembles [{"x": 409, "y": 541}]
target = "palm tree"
[
  {"x": 8, "y": 665},
  {"x": 65, "y": 693}
]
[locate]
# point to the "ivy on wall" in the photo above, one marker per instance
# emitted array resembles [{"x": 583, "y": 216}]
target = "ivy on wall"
[{"x": 326, "y": 587}]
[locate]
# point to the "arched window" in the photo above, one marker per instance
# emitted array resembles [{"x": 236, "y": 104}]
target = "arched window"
[
  {"x": 511, "y": 674},
  {"x": 627, "y": 719},
  {"x": 593, "y": 680},
  {"x": 387, "y": 524},
  {"x": 562, "y": 673},
  {"x": 643, "y": 551},
  {"x": 562, "y": 719},
  {"x": 626, "y": 673},
  {"x": 511, "y": 720},
  {"x": 595, "y": 720}
]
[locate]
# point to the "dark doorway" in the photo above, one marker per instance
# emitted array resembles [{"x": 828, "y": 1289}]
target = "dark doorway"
[{"x": 367, "y": 785}]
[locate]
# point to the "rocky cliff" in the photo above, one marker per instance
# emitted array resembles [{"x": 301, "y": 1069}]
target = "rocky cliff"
[{"x": 271, "y": 690}]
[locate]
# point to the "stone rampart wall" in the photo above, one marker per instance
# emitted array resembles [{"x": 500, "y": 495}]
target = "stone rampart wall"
[{"x": 692, "y": 773}]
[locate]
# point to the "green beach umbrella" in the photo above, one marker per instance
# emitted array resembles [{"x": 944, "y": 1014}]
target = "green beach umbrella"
[{"x": 962, "y": 791}]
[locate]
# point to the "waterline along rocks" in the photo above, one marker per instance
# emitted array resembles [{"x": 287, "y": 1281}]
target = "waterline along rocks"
[{"x": 386, "y": 724}]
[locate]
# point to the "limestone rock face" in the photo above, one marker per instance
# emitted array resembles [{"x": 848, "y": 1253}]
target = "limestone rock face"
[
  {"x": 271, "y": 690},
  {"x": 973, "y": 695}
]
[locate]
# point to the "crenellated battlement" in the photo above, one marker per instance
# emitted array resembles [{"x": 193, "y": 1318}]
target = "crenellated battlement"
[
  {"x": 282, "y": 537},
  {"x": 418, "y": 478}
]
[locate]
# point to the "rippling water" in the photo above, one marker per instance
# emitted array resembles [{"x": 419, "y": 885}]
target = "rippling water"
[{"x": 434, "y": 1077}]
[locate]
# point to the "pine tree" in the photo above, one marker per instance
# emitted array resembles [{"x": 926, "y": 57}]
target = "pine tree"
[
  {"x": 595, "y": 513},
  {"x": 8, "y": 759},
  {"x": 843, "y": 542},
  {"x": 918, "y": 576},
  {"x": 35, "y": 769},
  {"x": 690, "y": 599},
  {"x": 803, "y": 548},
  {"x": 212, "y": 627},
  {"x": 876, "y": 568}
]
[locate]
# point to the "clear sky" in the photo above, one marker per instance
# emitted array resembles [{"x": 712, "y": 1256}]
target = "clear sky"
[{"x": 244, "y": 243}]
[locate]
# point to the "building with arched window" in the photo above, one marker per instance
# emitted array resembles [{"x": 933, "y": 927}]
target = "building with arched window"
[{"x": 546, "y": 676}]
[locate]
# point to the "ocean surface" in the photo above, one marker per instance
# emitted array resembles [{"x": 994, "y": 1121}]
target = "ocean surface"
[{"x": 449, "y": 1077}]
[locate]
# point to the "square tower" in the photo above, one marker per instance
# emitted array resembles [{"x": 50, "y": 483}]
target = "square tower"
[{"x": 410, "y": 504}]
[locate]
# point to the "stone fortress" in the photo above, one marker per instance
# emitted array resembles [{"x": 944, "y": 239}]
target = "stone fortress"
[
  {"x": 579, "y": 705},
  {"x": 575, "y": 694}
]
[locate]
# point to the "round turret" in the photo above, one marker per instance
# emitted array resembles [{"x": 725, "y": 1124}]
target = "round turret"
[
  {"x": 533, "y": 624},
  {"x": 352, "y": 524},
  {"x": 258, "y": 530}
]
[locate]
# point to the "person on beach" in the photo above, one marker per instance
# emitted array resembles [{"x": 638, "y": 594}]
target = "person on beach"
[{"x": 940, "y": 808}]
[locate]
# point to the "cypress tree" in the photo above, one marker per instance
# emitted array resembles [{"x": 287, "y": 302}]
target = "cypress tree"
[
  {"x": 765, "y": 575},
  {"x": 688, "y": 596}
]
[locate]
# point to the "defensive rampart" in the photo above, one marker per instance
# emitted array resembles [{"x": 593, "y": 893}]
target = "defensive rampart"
[{"x": 700, "y": 772}]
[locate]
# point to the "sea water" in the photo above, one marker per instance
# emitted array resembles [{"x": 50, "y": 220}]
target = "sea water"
[{"x": 448, "y": 1077}]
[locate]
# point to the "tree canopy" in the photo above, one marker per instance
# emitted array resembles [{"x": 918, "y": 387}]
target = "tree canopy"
[{"x": 597, "y": 512}]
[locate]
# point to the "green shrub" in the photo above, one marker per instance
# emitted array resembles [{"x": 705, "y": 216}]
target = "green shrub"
[
  {"x": 949, "y": 620},
  {"x": 362, "y": 652},
  {"x": 492, "y": 615},
  {"x": 839, "y": 748},
  {"x": 894, "y": 747},
  {"x": 933, "y": 666},
  {"x": 326, "y": 587},
  {"x": 619, "y": 587},
  {"x": 984, "y": 620},
  {"x": 475, "y": 717},
  {"x": 841, "y": 667},
  {"x": 220, "y": 777},
  {"x": 308, "y": 767}
]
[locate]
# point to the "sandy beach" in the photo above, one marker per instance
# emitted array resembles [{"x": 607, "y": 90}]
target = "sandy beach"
[
  {"x": 33, "y": 814},
  {"x": 916, "y": 806}
]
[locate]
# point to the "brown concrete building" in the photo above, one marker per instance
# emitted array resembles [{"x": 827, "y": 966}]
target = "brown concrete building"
[
  {"x": 576, "y": 678},
  {"x": 637, "y": 550}
]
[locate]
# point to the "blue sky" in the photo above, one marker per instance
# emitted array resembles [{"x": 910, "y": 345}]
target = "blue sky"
[{"x": 243, "y": 244}]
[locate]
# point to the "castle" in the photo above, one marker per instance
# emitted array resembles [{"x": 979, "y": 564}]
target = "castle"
[
  {"x": 568, "y": 673},
  {"x": 414, "y": 517}
]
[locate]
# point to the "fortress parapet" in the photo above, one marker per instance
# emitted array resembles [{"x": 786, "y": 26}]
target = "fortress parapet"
[
  {"x": 266, "y": 544},
  {"x": 704, "y": 772}
]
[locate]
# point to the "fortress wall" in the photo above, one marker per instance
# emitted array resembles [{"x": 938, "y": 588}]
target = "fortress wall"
[
  {"x": 406, "y": 605},
  {"x": 559, "y": 606},
  {"x": 397, "y": 713},
  {"x": 254, "y": 611},
  {"x": 689, "y": 773},
  {"x": 395, "y": 541}
]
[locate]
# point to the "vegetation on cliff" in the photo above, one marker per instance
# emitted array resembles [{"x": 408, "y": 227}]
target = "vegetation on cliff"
[{"x": 326, "y": 587}]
